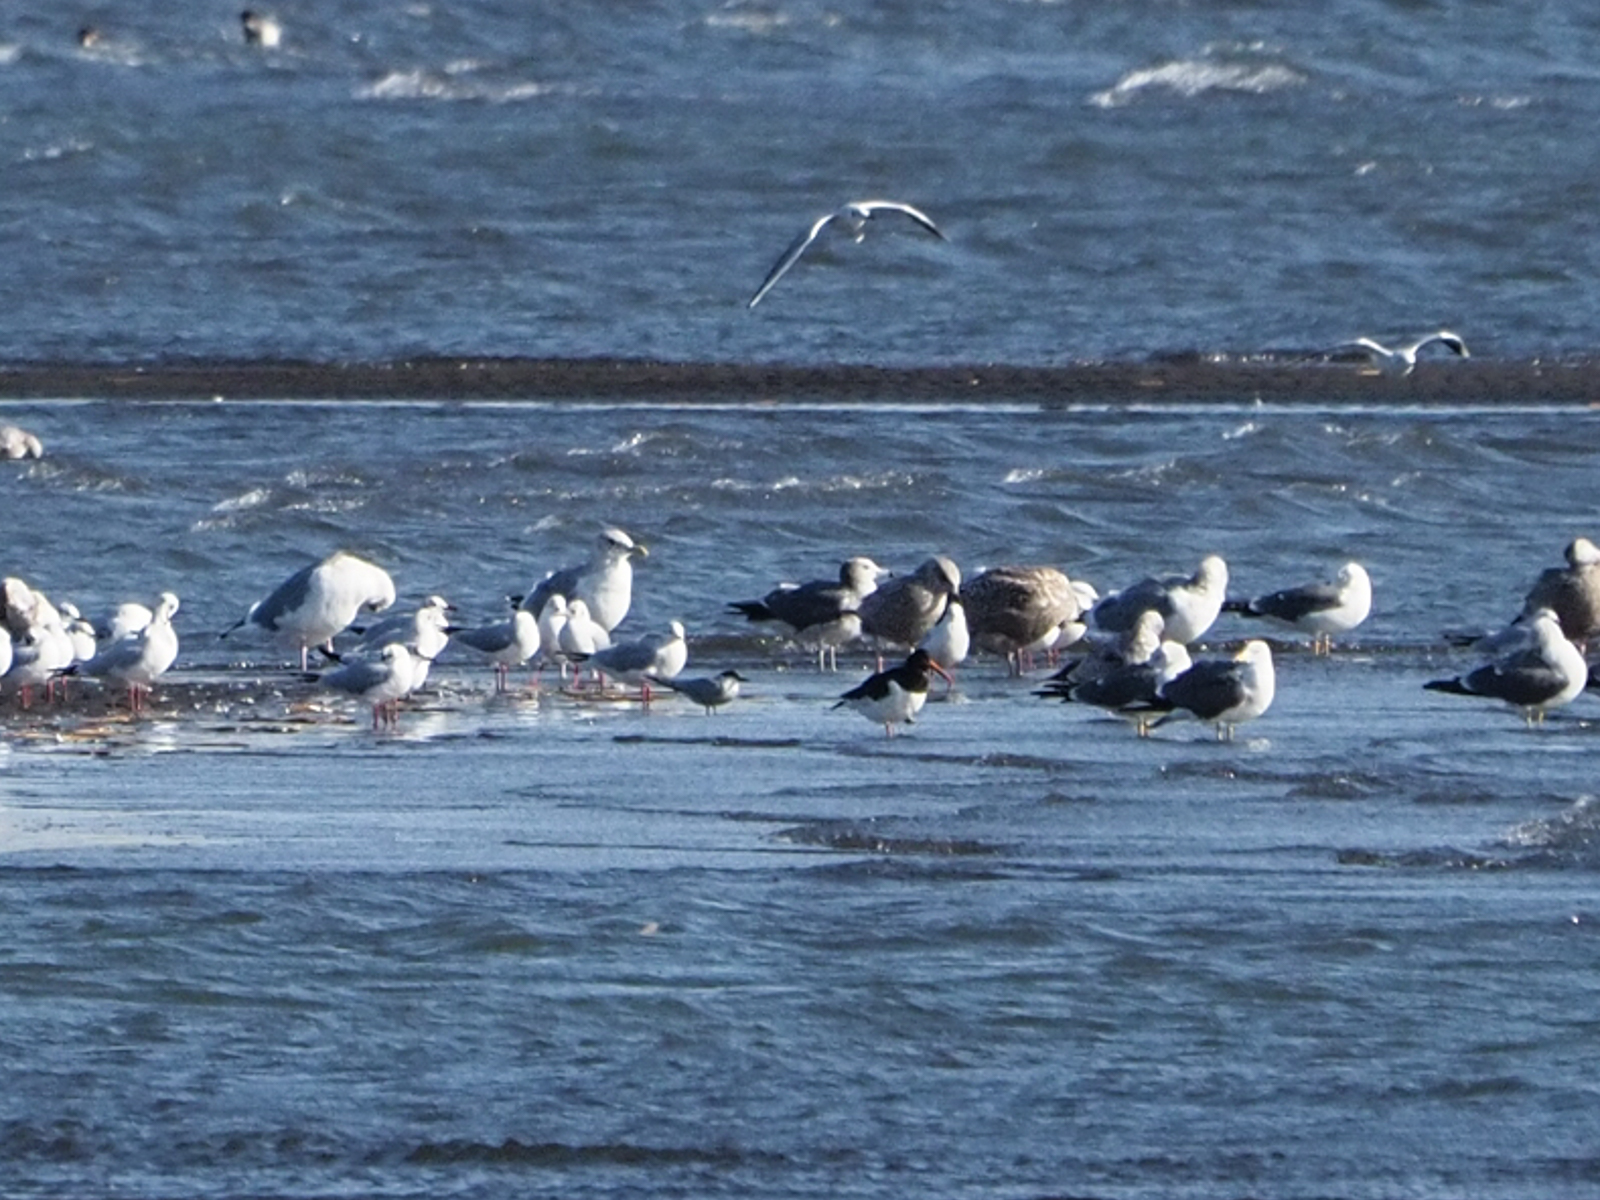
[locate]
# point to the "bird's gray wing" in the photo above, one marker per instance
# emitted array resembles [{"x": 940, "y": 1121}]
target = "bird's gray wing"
[
  {"x": 491, "y": 639},
  {"x": 1207, "y": 689},
  {"x": 557, "y": 583},
  {"x": 358, "y": 676},
  {"x": 1297, "y": 603},
  {"x": 284, "y": 599},
  {"x": 815, "y": 603},
  {"x": 789, "y": 257}
]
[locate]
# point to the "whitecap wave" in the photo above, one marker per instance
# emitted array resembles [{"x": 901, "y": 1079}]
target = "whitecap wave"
[{"x": 1189, "y": 78}]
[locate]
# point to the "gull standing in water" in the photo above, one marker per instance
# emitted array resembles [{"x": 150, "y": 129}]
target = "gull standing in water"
[
  {"x": 1224, "y": 692},
  {"x": 1402, "y": 360},
  {"x": 506, "y": 644},
  {"x": 1125, "y": 678},
  {"x": 318, "y": 601},
  {"x": 824, "y": 611},
  {"x": 604, "y": 583},
  {"x": 1539, "y": 669},
  {"x": 380, "y": 682},
  {"x": 425, "y": 632},
  {"x": 656, "y": 657},
  {"x": 1188, "y": 605},
  {"x": 895, "y": 696},
  {"x": 711, "y": 694},
  {"x": 139, "y": 659},
  {"x": 854, "y": 216},
  {"x": 1321, "y": 609}
]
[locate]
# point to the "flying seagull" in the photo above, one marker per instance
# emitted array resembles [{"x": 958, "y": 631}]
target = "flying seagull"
[
  {"x": 1402, "y": 360},
  {"x": 855, "y": 215}
]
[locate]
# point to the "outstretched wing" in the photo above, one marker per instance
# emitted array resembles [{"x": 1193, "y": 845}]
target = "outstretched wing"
[
  {"x": 790, "y": 256},
  {"x": 873, "y": 207}
]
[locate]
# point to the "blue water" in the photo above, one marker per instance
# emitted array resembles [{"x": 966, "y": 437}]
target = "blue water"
[
  {"x": 516, "y": 179},
  {"x": 537, "y": 945}
]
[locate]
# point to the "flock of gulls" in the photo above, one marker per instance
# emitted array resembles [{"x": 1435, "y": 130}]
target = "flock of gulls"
[{"x": 1129, "y": 649}]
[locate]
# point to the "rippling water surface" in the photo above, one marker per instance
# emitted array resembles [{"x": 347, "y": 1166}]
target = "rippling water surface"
[
  {"x": 482, "y": 177},
  {"x": 540, "y": 946}
]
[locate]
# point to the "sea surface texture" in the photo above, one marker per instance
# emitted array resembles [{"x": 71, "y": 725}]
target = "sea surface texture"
[{"x": 511, "y": 178}]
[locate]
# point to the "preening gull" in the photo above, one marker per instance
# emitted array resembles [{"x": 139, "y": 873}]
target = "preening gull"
[
  {"x": 854, "y": 216},
  {"x": 710, "y": 693},
  {"x": 320, "y": 600},
  {"x": 1188, "y": 605},
  {"x": 1572, "y": 592},
  {"x": 1538, "y": 669},
  {"x": 127, "y": 617},
  {"x": 380, "y": 682},
  {"x": 894, "y": 696},
  {"x": 506, "y": 644},
  {"x": 1010, "y": 610},
  {"x": 139, "y": 659},
  {"x": 84, "y": 641},
  {"x": 19, "y": 443},
  {"x": 1321, "y": 609},
  {"x": 902, "y": 611},
  {"x": 40, "y": 644},
  {"x": 824, "y": 612},
  {"x": 604, "y": 583},
  {"x": 1402, "y": 360},
  {"x": 1225, "y": 692},
  {"x": 652, "y": 658}
]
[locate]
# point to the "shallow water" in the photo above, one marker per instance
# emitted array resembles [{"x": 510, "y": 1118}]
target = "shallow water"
[{"x": 558, "y": 946}]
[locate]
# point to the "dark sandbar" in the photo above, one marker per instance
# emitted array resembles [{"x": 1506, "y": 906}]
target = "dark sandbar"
[{"x": 1175, "y": 380}]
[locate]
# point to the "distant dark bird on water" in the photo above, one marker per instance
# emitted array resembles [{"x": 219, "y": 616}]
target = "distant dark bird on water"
[
  {"x": 261, "y": 29},
  {"x": 1402, "y": 360},
  {"x": 895, "y": 696},
  {"x": 1320, "y": 609},
  {"x": 855, "y": 216}
]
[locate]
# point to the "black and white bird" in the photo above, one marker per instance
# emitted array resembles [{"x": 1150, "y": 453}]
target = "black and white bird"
[
  {"x": 260, "y": 29},
  {"x": 1323, "y": 609},
  {"x": 604, "y": 583},
  {"x": 1125, "y": 677},
  {"x": 949, "y": 642},
  {"x": 320, "y": 600},
  {"x": 853, "y": 216},
  {"x": 709, "y": 693},
  {"x": 825, "y": 612},
  {"x": 1538, "y": 668},
  {"x": 1188, "y": 604},
  {"x": 895, "y": 696},
  {"x": 1224, "y": 692},
  {"x": 1402, "y": 360}
]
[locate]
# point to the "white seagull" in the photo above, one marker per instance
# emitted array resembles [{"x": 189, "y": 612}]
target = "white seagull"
[
  {"x": 1187, "y": 604},
  {"x": 855, "y": 216},
  {"x": 1320, "y": 609},
  {"x": 656, "y": 657},
  {"x": 318, "y": 601},
  {"x": 139, "y": 659},
  {"x": 1402, "y": 360},
  {"x": 380, "y": 682},
  {"x": 506, "y": 644},
  {"x": 604, "y": 583}
]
